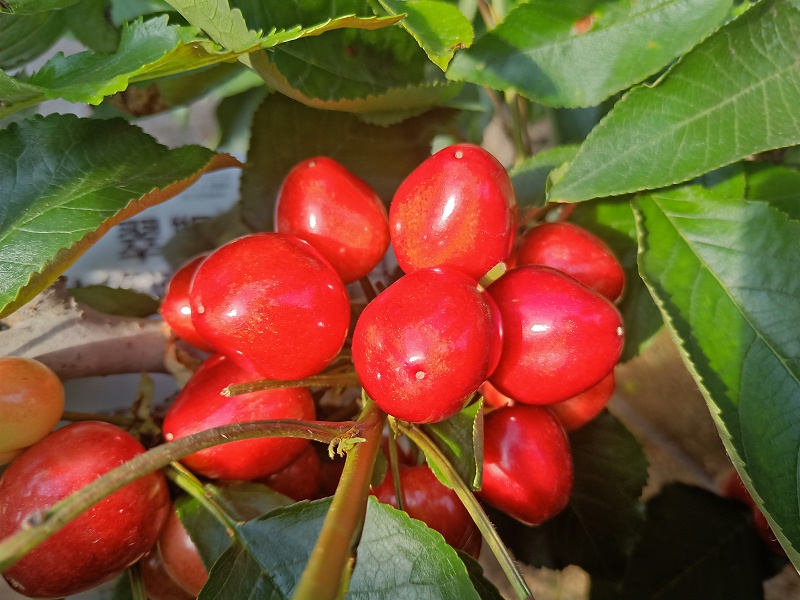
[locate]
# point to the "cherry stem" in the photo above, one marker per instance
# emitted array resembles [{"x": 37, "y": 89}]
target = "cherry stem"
[
  {"x": 190, "y": 484},
  {"x": 349, "y": 379},
  {"x": 136, "y": 581},
  {"x": 394, "y": 465},
  {"x": 493, "y": 274},
  {"x": 40, "y": 525},
  {"x": 329, "y": 565},
  {"x": 472, "y": 505},
  {"x": 123, "y": 420}
]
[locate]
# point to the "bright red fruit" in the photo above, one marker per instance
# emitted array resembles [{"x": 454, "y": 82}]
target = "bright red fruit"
[
  {"x": 336, "y": 212},
  {"x": 175, "y": 308},
  {"x": 527, "y": 463},
  {"x": 426, "y": 499},
  {"x": 559, "y": 337},
  {"x": 180, "y": 556},
  {"x": 102, "y": 542},
  {"x": 577, "y": 411},
  {"x": 301, "y": 479},
  {"x": 575, "y": 251},
  {"x": 494, "y": 398},
  {"x": 200, "y": 406},
  {"x": 273, "y": 304},
  {"x": 425, "y": 344},
  {"x": 457, "y": 209}
]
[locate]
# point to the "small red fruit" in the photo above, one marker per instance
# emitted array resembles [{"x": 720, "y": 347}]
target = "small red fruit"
[
  {"x": 180, "y": 556},
  {"x": 301, "y": 479},
  {"x": 175, "y": 308},
  {"x": 200, "y": 406},
  {"x": 102, "y": 542},
  {"x": 324, "y": 204},
  {"x": 576, "y": 252},
  {"x": 494, "y": 398},
  {"x": 559, "y": 337},
  {"x": 527, "y": 463},
  {"x": 425, "y": 344},
  {"x": 457, "y": 209},
  {"x": 271, "y": 303},
  {"x": 577, "y": 411}
]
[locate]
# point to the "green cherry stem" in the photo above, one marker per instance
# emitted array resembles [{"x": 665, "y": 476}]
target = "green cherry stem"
[
  {"x": 394, "y": 465},
  {"x": 186, "y": 480},
  {"x": 472, "y": 505},
  {"x": 328, "y": 564},
  {"x": 38, "y": 526},
  {"x": 348, "y": 379},
  {"x": 136, "y": 581}
]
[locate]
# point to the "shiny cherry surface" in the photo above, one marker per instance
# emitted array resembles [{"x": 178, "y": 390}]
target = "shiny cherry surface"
[
  {"x": 180, "y": 556},
  {"x": 102, "y": 542},
  {"x": 175, "y": 308},
  {"x": 323, "y": 203},
  {"x": 31, "y": 404},
  {"x": 301, "y": 479},
  {"x": 576, "y": 252},
  {"x": 426, "y": 499},
  {"x": 273, "y": 304},
  {"x": 527, "y": 463},
  {"x": 559, "y": 337},
  {"x": 457, "y": 209},
  {"x": 200, "y": 406},
  {"x": 425, "y": 343},
  {"x": 579, "y": 410}
]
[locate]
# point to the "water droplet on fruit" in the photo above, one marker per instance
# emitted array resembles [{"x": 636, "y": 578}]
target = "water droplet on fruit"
[{"x": 420, "y": 375}]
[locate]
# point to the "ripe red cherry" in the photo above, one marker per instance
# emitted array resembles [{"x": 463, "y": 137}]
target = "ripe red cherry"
[
  {"x": 457, "y": 209},
  {"x": 575, "y": 251},
  {"x": 200, "y": 406},
  {"x": 426, "y": 499},
  {"x": 273, "y": 304},
  {"x": 559, "y": 337},
  {"x": 527, "y": 463},
  {"x": 157, "y": 582},
  {"x": 733, "y": 487},
  {"x": 102, "y": 542},
  {"x": 425, "y": 344},
  {"x": 301, "y": 479},
  {"x": 180, "y": 556},
  {"x": 577, "y": 411},
  {"x": 336, "y": 212},
  {"x": 494, "y": 398},
  {"x": 175, "y": 308}
]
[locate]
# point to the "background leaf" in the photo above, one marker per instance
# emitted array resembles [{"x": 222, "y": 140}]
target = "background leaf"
[
  {"x": 460, "y": 438},
  {"x": 24, "y": 37},
  {"x": 34, "y": 6},
  {"x": 530, "y": 176},
  {"x": 777, "y": 185},
  {"x": 116, "y": 301},
  {"x": 65, "y": 181},
  {"x": 88, "y": 20},
  {"x": 724, "y": 275},
  {"x": 579, "y": 53},
  {"x": 733, "y": 95}
]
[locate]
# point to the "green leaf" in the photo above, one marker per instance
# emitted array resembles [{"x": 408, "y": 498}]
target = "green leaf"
[
  {"x": 612, "y": 220},
  {"x": 604, "y": 516},
  {"x": 485, "y": 588},
  {"x": 779, "y": 186},
  {"x": 65, "y": 181},
  {"x": 89, "y": 21},
  {"x": 397, "y": 556},
  {"x": 724, "y": 274},
  {"x": 733, "y": 95},
  {"x": 116, "y": 301},
  {"x": 695, "y": 545},
  {"x": 460, "y": 438},
  {"x": 579, "y": 53},
  {"x": 225, "y": 26},
  {"x": 439, "y": 27},
  {"x": 530, "y": 176},
  {"x": 24, "y": 37},
  {"x": 33, "y": 6}
]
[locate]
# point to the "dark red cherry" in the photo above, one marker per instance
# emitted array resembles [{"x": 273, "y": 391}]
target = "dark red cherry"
[
  {"x": 559, "y": 337},
  {"x": 323, "y": 203},
  {"x": 175, "y": 308},
  {"x": 157, "y": 582},
  {"x": 425, "y": 344},
  {"x": 457, "y": 209},
  {"x": 299, "y": 480},
  {"x": 180, "y": 556},
  {"x": 575, "y": 251},
  {"x": 577, "y": 411},
  {"x": 201, "y": 406},
  {"x": 527, "y": 463},
  {"x": 273, "y": 304}
]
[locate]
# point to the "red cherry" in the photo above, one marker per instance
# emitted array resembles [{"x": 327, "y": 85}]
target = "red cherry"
[
  {"x": 201, "y": 406},
  {"x": 175, "y": 308},
  {"x": 180, "y": 556},
  {"x": 457, "y": 209},
  {"x": 425, "y": 344},
  {"x": 575, "y": 251},
  {"x": 559, "y": 337},
  {"x": 426, "y": 499},
  {"x": 326, "y": 205},
  {"x": 157, "y": 582},
  {"x": 102, "y": 542},
  {"x": 527, "y": 463},
  {"x": 733, "y": 487},
  {"x": 273, "y": 304},
  {"x": 494, "y": 398},
  {"x": 301, "y": 479},
  {"x": 577, "y": 411}
]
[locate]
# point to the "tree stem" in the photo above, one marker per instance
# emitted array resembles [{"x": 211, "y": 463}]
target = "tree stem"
[
  {"x": 186, "y": 480},
  {"x": 349, "y": 379}
]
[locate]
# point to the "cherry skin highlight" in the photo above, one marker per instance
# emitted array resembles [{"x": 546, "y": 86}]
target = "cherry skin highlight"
[
  {"x": 527, "y": 464},
  {"x": 457, "y": 209},
  {"x": 273, "y": 304},
  {"x": 425, "y": 344},
  {"x": 559, "y": 337},
  {"x": 176, "y": 309},
  {"x": 102, "y": 542},
  {"x": 200, "y": 406},
  {"x": 323, "y": 203}
]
